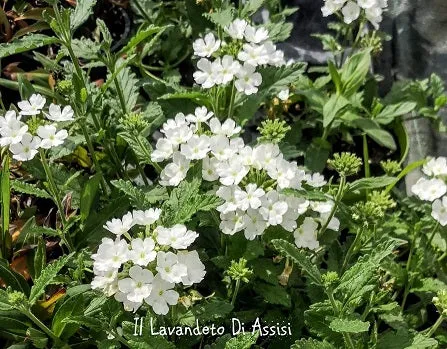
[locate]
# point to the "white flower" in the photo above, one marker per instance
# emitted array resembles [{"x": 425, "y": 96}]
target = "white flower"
[
  {"x": 107, "y": 281},
  {"x": 254, "y": 54},
  {"x": 205, "y": 76},
  {"x": 223, "y": 148},
  {"x": 209, "y": 169},
  {"x": 316, "y": 180},
  {"x": 232, "y": 222},
  {"x": 429, "y": 189},
  {"x": 322, "y": 206},
  {"x": 120, "y": 226},
  {"x": 228, "y": 128},
  {"x": 232, "y": 171},
  {"x": 236, "y": 29},
  {"x": 334, "y": 223},
  {"x": 367, "y": 3},
  {"x": 32, "y": 106},
  {"x": 254, "y": 35},
  {"x": 436, "y": 167},
  {"x": 439, "y": 211},
  {"x": 331, "y": 6},
  {"x": 179, "y": 120},
  {"x": 266, "y": 156},
  {"x": 201, "y": 114},
  {"x": 56, "y": 113},
  {"x": 146, "y": 217},
  {"x": 283, "y": 171},
  {"x": 195, "y": 268},
  {"x": 110, "y": 255},
  {"x": 175, "y": 172},
  {"x": 295, "y": 207},
  {"x": 12, "y": 132},
  {"x": 207, "y": 46},
  {"x": 284, "y": 94},
  {"x": 50, "y": 137},
  {"x": 163, "y": 150},
  {"x": 9, "y": 119},
  {"x": 196, "y": 148},
  {"x": 179, "y": 135},
  {"x": 161, "y": 296},
  {"x": 128, "y": 305},
  {"x": 178, "y": 236},
  {"x": 374, "y": 15},
  {"x": 273, "y": 209},
  {"x": 254, "y": 223},
  {"x": 138, "y": 286},
  {"x": 225, "y": 69},
  {"x": 247, "y": 79},
  {"x": 169, "y": 267},
  {"x": 249, "y": 198},
  {"x": 227, "y": 193},
  {"x": 143, "y": 251},
  {"x": 306, "y": 234},
  {"x": 351, "y": 11},
  {"x": 26, "y": 149}
]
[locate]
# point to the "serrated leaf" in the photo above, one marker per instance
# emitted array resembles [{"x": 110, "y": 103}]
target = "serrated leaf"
[
  {"x": 221, "y": 17},
  {"x": 185, "y": 201},
  {"x": 141, "y": 197},
  {"x": 242, "y": 341},
  {"x": 311, "y": 344},
  {"x": 251, "y": 7},
  {"x": 212, "y": 310},
  {"x": 299, "y": 257},
  {"x": 349, "y": 326},
  {"x": 140, "y": 146},
  {"x": 371, "y": 183},
  {"x": 274, "y": 294},
  {"x": 82, "y": 11},
  {"x": 26, "y": 43},
  {"x": 128, "y": 83},
  {"x": 140, "y": 36},
  {"x": 47, "y": 277}
]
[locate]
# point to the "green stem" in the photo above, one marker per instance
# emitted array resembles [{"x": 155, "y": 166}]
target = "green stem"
[
  {"x": 65, "y": 237},
  {"x": 435, "y": 326},
  {"x": 408, "y": 284},
  {"x": 93, "y": 155},
  {"x": 41, "y": 325},
  {"x": 366, "y": 157},
  {"x": 236, "y": 290},
  {"x": 351, "y": 250},
  {"x": 346, "y": 336},
  {"x": 440, "y": 259},
  {"x": 141, "y": 10},
  {"x": 433, "y": 233},
  {"x": 233, "y": 95},
  {"x": 338, "y": 197},
  {"x": 5, "y": 205}
]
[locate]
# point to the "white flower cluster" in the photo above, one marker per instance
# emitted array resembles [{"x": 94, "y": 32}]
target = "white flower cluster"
[
  {"x": 351, "y": 10},
  {"x": 14, "y": 132},
  {"x": 250, "y": 178},
  {"x": 250, "y": 48},
  {"x": 148, "y": 267},
  {"x": 433, "y": 188}
]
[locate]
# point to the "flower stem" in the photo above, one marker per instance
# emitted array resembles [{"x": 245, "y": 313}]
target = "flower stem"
[
  {"x": 433, "y": 233},
  {"x": 338, "y": 197},
  {"x": 41, "y": 325},
  {"x": 5, "y": 196},
  {"x": 435, "y": 326},
  {"x": 236, "y": 290},
  {"x": 346, "y": 336},
  {"x": 57, "y": 200},
  {"x": 351, "y": 250}
]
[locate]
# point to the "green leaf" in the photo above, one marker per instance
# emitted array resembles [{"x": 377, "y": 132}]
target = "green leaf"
[
  {"x": 38, "y": 338},
  {"x": 197, "y": 97},
  {"x": 128, "y": 83},
  {"x": 141, "y": 197},
  {"x": 31, "y": 230},
  {"x": 30, "y": 189},
  {"x": 12, "y": 279},
  {"x": 40, "y": 258},
  {"x": 371, "y": 183},
  {"x": 26, "y": 43},
  {"x": 279, "y": 31},
  {"x": 273, "y": 294},
  {"x": 5, "y": 197},
  {"x": 299, "y": 257},
  {"x": 335, "y": 75},
  {"x": 221, "y": 17},
  {"x": 242, "y": 341},
  {"x": 332, "y": 108},
  {"x": 372, "y": 129},
  {"x": 46, "y": 278},
  {"x": 212, "y": 310},
  {"x": 71, "y": 307},
  {"x": 251, "y": 7},
  {"x": 390, "y": 112},
  {"x": 185, "y": 201},
  {"x": 83, "y": 10},
  {"x": 349, "y": 326},
  {"x": 410, "y": 168},
  {"x": 88, "y": 195},
  {"x": 141, "y": 36},
  {"x": 139, "y": 145},
  {"x": 106, "y": 36},
  {"x": 354, "y": 71},
  {"x": 311, "y": 344}
]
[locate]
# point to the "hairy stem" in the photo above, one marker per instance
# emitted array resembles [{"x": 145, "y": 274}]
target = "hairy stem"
[{"x": 236, "y": 290}]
